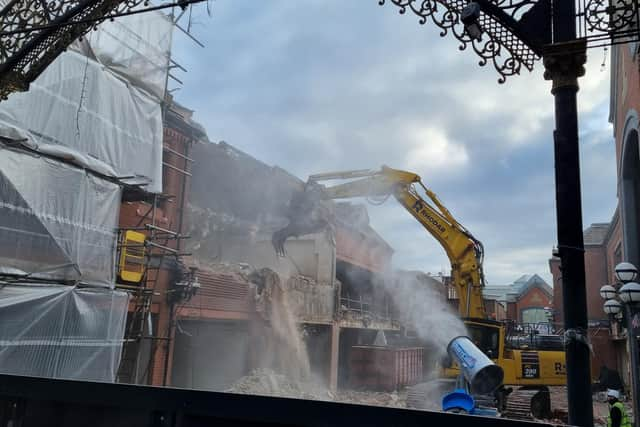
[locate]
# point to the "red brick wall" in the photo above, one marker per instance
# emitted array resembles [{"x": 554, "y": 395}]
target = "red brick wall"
[
  {"x": 603, "y": 351},
  {"x": 631, "y": 100},
  {"x": 221, "y": 296},
  {"x": 167, "y": 215},
  {"x": 596, "y": 276},
  {"x": 534, "y": 298},
  {"x": 558, "y": 312},
  {"x": 614, "y": 251},
  {"x": 626, "y": 78},
  {"x": 512, "y": 311}
]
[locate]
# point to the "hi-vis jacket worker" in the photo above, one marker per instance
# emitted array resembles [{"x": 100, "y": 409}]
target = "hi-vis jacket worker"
[{"x": 617, "y": 413}]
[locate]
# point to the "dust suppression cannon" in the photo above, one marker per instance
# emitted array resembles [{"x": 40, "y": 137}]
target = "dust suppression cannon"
[{"x": 478, "y": 375}]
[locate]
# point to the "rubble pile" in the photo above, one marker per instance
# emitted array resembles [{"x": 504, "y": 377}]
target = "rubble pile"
[
  {"x": 267, "y": 382},
  {"x": 394, "y": 399},
  {"x": 242, "y": 269}
]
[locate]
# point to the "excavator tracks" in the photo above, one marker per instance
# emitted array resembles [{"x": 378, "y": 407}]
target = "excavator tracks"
[{"x": 526, "y": 404}]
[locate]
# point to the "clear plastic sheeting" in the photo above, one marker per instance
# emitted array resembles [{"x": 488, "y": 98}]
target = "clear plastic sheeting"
[
  {"x": 137, "y": 47},
  {"x": 59, "y": 331},
  {"x": 80, "y": 111},
  {"x": 57, "y": 222}
]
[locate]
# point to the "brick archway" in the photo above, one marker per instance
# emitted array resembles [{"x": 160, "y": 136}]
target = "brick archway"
[{"x": 630, "y": 193}]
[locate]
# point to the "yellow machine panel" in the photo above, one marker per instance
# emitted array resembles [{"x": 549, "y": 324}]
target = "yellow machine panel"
[
  {"x": 132, "y": 256},
  {"x": 538, "y": 367}
]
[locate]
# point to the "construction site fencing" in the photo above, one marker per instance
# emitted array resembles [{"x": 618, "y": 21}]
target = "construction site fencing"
[{"x": 363, "y": 308}]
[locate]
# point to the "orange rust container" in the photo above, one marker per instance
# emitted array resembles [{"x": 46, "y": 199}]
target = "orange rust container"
[{"x": 384, "y": 368}]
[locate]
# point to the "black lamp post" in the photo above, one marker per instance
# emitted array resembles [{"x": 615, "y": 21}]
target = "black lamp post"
[{"x": 626, "y": 296}]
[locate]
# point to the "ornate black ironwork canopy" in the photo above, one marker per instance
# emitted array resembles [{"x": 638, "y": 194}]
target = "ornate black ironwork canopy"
[
  {"x": 515, "y": 33},
  {"x": 34, "y": 32},
  {"x": 510, "y": 34}
]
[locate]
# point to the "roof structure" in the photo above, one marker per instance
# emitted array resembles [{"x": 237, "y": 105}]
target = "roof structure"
[
  {"x": 495, "y": 293},
  {"x": 517, "y": 289},
  {"x": 596, "y": 233},
  {"x": 525, "y": 283}
]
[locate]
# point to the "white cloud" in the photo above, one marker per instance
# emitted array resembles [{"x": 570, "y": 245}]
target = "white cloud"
[
  {"x": 347, "y": 85},
  {"x": 432, "y": 150},
  {"x": 515, "y": 261}
]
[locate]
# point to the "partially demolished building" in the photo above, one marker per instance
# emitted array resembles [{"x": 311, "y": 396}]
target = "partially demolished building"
[
  {"x": 141, "y": 252},
  {"x": 334, "y": 284},
  {"x": 234, "y": 202}
]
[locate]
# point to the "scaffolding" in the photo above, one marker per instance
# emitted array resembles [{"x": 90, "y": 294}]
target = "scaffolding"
[
  {"x": 161, "y": 249},
  {"x": 162, "y": 246}
]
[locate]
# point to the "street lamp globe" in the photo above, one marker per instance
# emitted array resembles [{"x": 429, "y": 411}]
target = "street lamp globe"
[
  {"x": 612, "y": 307},
  {"x": 630, "y": 292},
  {"x": 608, "y": 292},
  {"x": 626, "y": 272}
]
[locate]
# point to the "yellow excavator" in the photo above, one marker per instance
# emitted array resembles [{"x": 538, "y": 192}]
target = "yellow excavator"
[{"x": 530, "y": 362}]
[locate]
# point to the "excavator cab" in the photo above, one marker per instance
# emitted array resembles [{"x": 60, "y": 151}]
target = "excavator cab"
[{"x": 486, "y": 336}]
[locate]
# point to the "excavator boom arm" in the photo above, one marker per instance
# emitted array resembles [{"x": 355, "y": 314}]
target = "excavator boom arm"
[{"x": 463, "y": 250}]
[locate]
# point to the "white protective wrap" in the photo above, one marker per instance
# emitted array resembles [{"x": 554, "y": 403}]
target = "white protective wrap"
[
  {"x": 137, "y": 47},
  {"x": 90, "y": 116},
  {"x": 59, "y": 331},
  {"x": 61, "y": 220}
]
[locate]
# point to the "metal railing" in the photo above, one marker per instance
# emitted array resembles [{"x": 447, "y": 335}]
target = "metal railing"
[{"x": 366, "y": 309}]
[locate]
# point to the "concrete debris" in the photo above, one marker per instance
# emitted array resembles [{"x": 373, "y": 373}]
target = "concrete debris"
[
  {"x": 267, "y": 382},
  {"x": 239, "y": 268},
  {"x": 395, "y": 399},
  {"x": 263, "y": 278}
]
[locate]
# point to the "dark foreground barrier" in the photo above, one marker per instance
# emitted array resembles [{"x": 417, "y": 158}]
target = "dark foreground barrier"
[{"x": 35, "y": 402}]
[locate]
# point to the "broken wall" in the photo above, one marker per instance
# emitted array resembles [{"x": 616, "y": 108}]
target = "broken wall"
[
  {"x": 237, "y": 202},
  {"x": 311, "y": 302}
]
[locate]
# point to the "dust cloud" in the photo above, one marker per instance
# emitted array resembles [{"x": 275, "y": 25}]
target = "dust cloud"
[
  {"x": 285, "y": 351},
  {"x": 422, "y": 302}
]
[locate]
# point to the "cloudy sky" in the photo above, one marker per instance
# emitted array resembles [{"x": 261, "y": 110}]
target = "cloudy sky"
[{"x": 324, "y": 85}]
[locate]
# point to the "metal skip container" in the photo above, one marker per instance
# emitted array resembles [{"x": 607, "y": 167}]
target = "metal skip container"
[{"x": 481, "y": 373}]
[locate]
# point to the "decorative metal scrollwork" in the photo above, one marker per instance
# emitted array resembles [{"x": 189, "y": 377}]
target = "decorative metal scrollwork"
[
  {"x": 501, "y": 46},
  {"x": 608, "y": 22},
  {"x": 607, "y": 15},
  {"x": 34, "y": 32},
  {"x": 515, "y": 8}
]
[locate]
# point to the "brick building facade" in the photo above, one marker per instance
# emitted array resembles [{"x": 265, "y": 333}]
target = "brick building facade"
[
  {"x": 599, "y": 238},
  {"x": 528, "y": 299},
  {"x": 608, "y": 244}
]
